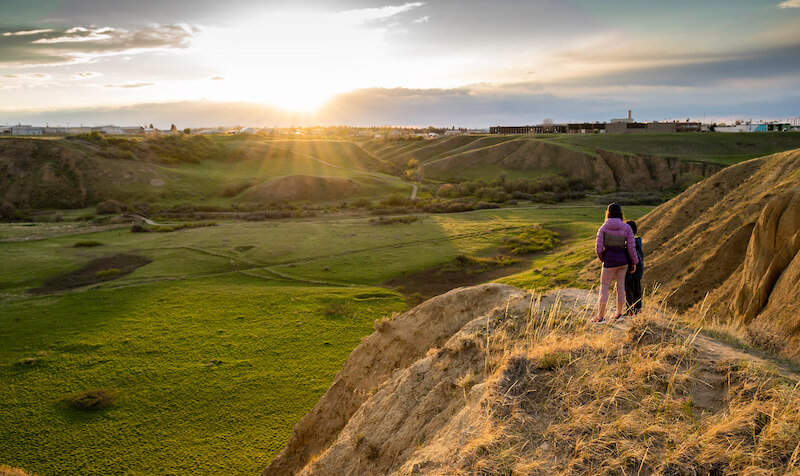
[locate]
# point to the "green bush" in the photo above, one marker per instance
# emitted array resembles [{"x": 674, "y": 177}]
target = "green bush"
[
  {"x": 531, "y": 240},
  {"x": 554, "y": 360},
  {"x": 111, "y": 206},
  {"x": 103, "y": 273},
  {"x": 86, "y": 244}
]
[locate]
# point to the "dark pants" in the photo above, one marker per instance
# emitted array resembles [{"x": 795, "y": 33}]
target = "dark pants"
[{"x": 633, "y": 293}]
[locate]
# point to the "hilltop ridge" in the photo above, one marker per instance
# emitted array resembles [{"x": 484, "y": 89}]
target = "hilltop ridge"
[
  {"x": 729, "y": 248},
  {"x": 491, "y": 379}
]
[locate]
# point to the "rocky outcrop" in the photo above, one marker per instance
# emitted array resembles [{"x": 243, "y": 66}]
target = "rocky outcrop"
[
  {"x": 767, "y": 297},
  {"x": 396, "y": 345},
  {"x": 728, "y": 248}
]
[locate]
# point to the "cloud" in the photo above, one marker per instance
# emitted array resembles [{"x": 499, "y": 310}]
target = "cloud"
[
  {"x": 789, "y": 4},
  {"x": 86, "y": 75},
  {"x": 424, "y": 19},
  {"x": 84, "y": 44},
  {"x": 27, "y": 32},
  {"x": 698, "y": 70},
  {"x": 218, "y": 78},
  {"x": 129, "y": 85},
  {"x": 380, "y": 13}
]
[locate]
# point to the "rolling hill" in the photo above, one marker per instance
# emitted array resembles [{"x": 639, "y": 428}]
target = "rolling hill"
[
  {"x": 603, "y": 162},
  {"x": 75, "y": 173}
]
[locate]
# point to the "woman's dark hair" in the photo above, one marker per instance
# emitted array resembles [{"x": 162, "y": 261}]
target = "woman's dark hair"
[
  {"x": 632, "y": 224},
  {"x": 614, "y": 211}
]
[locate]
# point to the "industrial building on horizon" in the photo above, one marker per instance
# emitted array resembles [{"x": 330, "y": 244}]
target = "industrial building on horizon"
[{"x": 628, "y": 125}]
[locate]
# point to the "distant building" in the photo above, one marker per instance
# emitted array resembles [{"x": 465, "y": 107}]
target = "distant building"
[
  {"x": 756, "y": 127},
  {"x": 626, "y": 127},
  {"x": 537, "y": 129},
  {"x": 586, "y": 128},
  {"x": 623, "y": 121},
  {"x": 109, "y": 130},
  {"x": 511, "y": 130},
  {"x": 26, "y": 130}
]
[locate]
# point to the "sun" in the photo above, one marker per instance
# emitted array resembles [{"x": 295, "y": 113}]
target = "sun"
[{"x": 296, "y": 61}]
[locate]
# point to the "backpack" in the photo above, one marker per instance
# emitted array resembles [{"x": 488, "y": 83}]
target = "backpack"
[{"x": 614, "y": 241}]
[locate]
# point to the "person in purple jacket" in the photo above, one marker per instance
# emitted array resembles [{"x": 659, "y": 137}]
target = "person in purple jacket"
[{"x": 616, "y": 248}]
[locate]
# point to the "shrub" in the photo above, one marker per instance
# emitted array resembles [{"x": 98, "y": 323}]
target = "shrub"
[
  {"x": 90, "y": 400},
  {"x": 86, "y": 244},
  {"x": 9, "y": 212},
  {"x": 335, "y": 309},
  {"x": 447, "y": 191},
  {"x": 103, "y": 273},
  {"x": 362, "y": 203},
  {"x": 139, "y": 228},
  {"x": 111, "y": 206},
  {"x": 532, "y": 239},
  {"x": 395, "y": 220},
  {"x": 395, "y": 201},
  {"x": 554, "y": 360}
]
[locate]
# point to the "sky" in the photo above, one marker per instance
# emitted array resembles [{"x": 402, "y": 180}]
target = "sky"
[{"x": 463, "y": 63}]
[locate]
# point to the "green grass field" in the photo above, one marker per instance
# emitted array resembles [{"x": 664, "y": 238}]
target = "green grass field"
[
  {"x": 211, "y": 373},
  {"x": 219, "y": 345},
  {"x": 719, "y": 148}
]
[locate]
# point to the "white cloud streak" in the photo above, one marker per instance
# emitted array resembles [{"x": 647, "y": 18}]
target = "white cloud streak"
[
  {"x": 789, "y": 4},
  {"x": 27, "y": 32},
  {"x": 78, "y": 35}
]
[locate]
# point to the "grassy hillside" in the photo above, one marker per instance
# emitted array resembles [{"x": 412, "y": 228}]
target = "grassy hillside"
[
  {"x": 718, "y": 148},
  {"x": 76, "y": 172},
  {"x": 526, "y": 156},
  {"x": 208, "y": 347}
]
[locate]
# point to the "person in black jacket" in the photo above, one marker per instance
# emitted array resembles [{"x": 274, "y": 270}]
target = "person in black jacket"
[{"x": 633, "y": 278}]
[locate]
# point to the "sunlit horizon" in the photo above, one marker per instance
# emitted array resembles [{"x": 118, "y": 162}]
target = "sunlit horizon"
[{"x": 360, "y": 61}]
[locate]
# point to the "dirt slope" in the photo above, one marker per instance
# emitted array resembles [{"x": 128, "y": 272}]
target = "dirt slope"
[
  {"x": 602, "y": 170},
  {"x": 734, "y": 237},
  {"x": 398, "y": 345},
  {"x": 491, "y": 380}
]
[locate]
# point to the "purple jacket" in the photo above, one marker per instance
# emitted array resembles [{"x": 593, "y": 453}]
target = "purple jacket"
[{"x": 616, "y": 256}]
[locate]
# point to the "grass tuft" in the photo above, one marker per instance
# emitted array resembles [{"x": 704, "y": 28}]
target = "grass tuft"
[{"x": 90, "y": 400}]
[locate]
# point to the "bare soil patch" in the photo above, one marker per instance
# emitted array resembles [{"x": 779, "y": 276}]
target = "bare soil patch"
[
  {"x": 434, "y": 281},
  {"x": 94, "y": 272}
]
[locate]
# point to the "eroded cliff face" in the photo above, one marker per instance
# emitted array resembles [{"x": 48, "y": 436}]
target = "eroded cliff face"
[
  {"x": 767, "y": 296},
  {"x": 603, "y": 170},
  {"x": 394, "y": 347},
  {"x": 728, "y": 248},
  {"x": 524, "y": 384}
]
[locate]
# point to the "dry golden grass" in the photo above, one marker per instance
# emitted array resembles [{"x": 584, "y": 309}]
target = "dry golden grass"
[
  {"x": 567, "y": 397},
  {"x": 9, "y": 471}
]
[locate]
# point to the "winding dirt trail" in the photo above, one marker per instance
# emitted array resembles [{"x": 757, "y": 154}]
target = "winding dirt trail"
[{"x": 710, "y": 347}]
